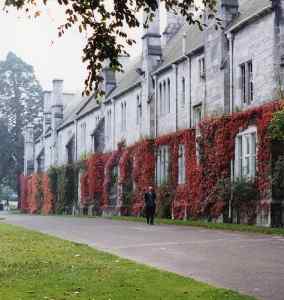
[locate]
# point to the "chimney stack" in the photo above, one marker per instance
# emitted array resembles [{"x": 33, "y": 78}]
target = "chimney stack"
[
  {"x": 173, "y": 24},
  {"x": 57, "y": 103},
  {"x": 229, "y": 10},
  {"x": 29, "y": 149}
]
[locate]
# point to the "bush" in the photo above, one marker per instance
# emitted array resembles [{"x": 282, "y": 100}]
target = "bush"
[
  {"x": 164, "y": 201},
  {"x": 278, "y": 178},
  {"x": 276, "y": 127}
]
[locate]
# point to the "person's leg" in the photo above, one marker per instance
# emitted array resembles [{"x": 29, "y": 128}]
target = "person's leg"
[
  {"x": 152, "y": 216},
  {"x": 147, "y": 215}
]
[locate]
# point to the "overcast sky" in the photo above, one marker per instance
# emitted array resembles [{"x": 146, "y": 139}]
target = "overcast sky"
[{"x": 36, "y": 42}]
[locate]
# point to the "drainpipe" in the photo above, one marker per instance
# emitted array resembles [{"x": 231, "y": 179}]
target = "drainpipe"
[
  {"x": 113, "y": 124},
  {"x": 176, "y": 95},
  {"x": 156, "y": 106},
  {"x": 231, "y": 56},
  {"x": 189, "y": 93},
  {"x": 76, "y": 140}
]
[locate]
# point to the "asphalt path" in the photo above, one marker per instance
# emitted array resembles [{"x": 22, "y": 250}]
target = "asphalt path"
[{"x": 249, "y": 263}]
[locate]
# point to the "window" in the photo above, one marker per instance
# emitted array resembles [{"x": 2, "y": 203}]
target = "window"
[
  {"x": 97, "y": 120},
  {"x": 162, "y": 165},
  {"x": 247, "y": 88},
  {"x": 160, "y": 97},
  {"x": 169, "y": 97},
  {"x": 197, "y": 115},
  {"x": 245, "y": 155},
  {"x": 123, "y": 116},
  {"x": 164, "y": 97},
  {"x": 108, "y": 124},
  {"x": 201, "y": 63},
  {"x": 181, "y": 164},
  {"x": 139, "y": 110},
  {"x": 83, "y": 136},
  {"x": 183, "y": 92},
  {"x": 250, "y": 81}
]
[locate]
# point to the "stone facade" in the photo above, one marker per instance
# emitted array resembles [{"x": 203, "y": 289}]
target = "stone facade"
[{"x": 180, "y": 77}]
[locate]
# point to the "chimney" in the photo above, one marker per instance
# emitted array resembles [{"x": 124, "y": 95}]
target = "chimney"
[
  {"x": 173, "y": 24},
  {"x": 108, "y": 75},
  {"x": 29, "y": 149},
  {"x": 46, "y": 110},
  {"x": 151, "y": 42},
  {"x": 57, "y": 103},
  {"x": 229, "y": 9}
]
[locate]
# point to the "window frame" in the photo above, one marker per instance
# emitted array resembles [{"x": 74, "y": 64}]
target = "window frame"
[
  {"x": 201, "y": 67},
  {"x": 247, "y": 82},
  {"x": 246, "y": 153},
  {"x": 181, "y": 164},
  {"x": 162, "y": 165}
]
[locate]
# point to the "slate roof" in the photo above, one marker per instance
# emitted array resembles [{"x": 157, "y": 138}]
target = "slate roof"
[
  {"x": 89, "y": 106},
  {"x": 129, "y": 78},
  {"x": 71, "y": 112},
  {"x": 248, "y": 8},
  {"x": 173, "y": 50},
  {"x": 171, "y": 53}
]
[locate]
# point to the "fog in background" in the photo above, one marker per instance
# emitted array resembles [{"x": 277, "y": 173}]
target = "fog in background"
[{"x": 36, "y": 41}]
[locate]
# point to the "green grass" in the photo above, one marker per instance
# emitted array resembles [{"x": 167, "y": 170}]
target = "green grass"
[
  {"x": 208, "y": 225},
  {"x": 37, "y": 266}
]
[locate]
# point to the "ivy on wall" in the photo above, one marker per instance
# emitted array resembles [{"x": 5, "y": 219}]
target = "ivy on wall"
[{"x": 198, "y": 196}]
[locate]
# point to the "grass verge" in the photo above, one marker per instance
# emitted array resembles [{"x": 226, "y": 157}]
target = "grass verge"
[
  {"x": 37, "y": 266},
  {"x": 209, "y": 225}
]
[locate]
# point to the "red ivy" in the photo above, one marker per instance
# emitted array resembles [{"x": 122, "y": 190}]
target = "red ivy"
[{"x": 217, "y": 148}]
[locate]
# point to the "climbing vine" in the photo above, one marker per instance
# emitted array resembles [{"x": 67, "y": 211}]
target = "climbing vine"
[{"x": 198, "y": 196}]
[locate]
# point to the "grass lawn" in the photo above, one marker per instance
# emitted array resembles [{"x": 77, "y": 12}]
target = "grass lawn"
[
  {"x": 37, "y": 266},
  {"x": 208, "y": 225}
]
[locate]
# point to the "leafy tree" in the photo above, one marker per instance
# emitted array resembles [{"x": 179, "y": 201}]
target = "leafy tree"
[
  {"x": 21, "y": 101},
  {"x": 107, "y": 24},
  {"x": 5, "y": 148}
]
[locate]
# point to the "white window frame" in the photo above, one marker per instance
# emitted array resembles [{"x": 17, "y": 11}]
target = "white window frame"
[
  {"x": 162, "y": 165},
  {"x": 246, "y": 153}
]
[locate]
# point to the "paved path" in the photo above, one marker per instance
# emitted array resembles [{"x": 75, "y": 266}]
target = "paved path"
[{"x": 251, "y": 264}]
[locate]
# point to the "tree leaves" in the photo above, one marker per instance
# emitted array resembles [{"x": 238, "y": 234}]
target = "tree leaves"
[
  {"x": 107, "y": 24},
  {"x": 20, "y": 101}
]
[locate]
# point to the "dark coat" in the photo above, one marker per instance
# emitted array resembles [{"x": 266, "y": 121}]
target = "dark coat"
[{"x": 150, "y": 199}]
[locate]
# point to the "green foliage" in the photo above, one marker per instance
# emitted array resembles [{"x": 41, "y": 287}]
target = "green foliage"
[
  {"x": 64, "y": 185},
  {"x": 21, "y": 101},
  {"x": 164, "y": 201},
  {"x": 278, "y": 178},
  {"x": 5, "y": 153},
  {"x": 244, "y": 191},
  {"x": 105, "y": 23},
  {"x": 38, "y": 266},
  {"x": 276, "y": 127}
]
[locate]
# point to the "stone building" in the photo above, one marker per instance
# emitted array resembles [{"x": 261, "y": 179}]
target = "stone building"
[{"x": 181, "y": 76}]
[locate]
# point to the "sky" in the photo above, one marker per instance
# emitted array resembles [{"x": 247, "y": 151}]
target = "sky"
[{"x": 36, "y": 41}]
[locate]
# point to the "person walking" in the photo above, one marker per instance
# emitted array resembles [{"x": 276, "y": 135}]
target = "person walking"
[{"x": 150, "y": 205}]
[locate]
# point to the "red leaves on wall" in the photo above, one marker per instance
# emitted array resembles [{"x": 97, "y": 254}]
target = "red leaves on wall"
[
  {"x": 217, "y": 149},
  {"x": 48, "y": 198},
  {"x": 143, "y": 173}
]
